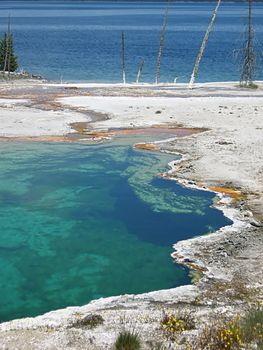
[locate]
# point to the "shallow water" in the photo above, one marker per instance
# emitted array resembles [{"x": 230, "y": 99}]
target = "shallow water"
[
  {"x": 80, "y": 222},
  {"x": 81, "y": 40}
]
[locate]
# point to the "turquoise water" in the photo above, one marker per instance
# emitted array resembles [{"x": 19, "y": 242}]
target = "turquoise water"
[
  {"x": 81, "y": 40},
  {"x": 79, "y": 222}
]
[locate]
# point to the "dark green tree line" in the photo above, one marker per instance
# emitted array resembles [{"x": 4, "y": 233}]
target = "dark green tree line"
[{"x": 8, "y": 60}]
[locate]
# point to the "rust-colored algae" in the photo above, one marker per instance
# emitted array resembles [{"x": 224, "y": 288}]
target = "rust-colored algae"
[
  {"x": 84, "y": 134},
  {"x": 235, "y": 194},
  {"x": 157, "y": 129},
  {"x": 147, "y": 146},
  {"x": 95, "y": 134},
  {"x": 80, "y": 127},
  {"x": 51, "y": 138},
  {"x": 197, "y": 267}
]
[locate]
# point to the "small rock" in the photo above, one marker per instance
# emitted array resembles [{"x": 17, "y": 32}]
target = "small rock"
[{"x": 256, "y": 223}]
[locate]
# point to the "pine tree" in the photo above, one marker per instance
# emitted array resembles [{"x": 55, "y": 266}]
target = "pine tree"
[{"x": 8, "y": 60}]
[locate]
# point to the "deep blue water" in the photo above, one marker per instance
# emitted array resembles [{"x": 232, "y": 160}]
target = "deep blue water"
[
  {"x": 80, "y": 222},
  {"x": 79, "y": 40}
]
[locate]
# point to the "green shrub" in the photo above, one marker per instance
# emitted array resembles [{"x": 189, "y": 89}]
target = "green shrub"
[
  {"x": 128, "y": 341},
  {"x": 252, "y": 328}
]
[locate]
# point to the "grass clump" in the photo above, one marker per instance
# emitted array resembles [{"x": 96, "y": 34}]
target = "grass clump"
[
  {"x": 250, "y": 85},
  {"x": 252, "y": 327},
  {"x": 174, "y": 325},
  {"x": 127, "y": 340},
  {"x": 90, "y": 321}
]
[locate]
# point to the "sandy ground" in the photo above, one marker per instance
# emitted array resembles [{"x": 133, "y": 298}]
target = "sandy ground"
[{"x": 19, "y": 120}]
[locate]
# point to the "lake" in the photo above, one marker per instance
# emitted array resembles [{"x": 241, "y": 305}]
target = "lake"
[{"x": 81, "y": 40}]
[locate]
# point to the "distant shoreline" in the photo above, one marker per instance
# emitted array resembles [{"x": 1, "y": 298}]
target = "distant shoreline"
[{"x": 134, "y": 1}]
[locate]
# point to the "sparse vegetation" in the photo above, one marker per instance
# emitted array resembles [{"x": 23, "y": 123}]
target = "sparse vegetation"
[
  {"x": 174, "y": 325},
  {"x": 90, "y": 321},
  {"x": 220, "y": 335},
  {"x": 251, "y": 86},
  {"x": 128, "y": 340},
  {"x": 252, "y": 328},
  {"x": 223, "y": 332},
  {"x": 232, "y": 334},
  {"x": 236, "y": 289}
]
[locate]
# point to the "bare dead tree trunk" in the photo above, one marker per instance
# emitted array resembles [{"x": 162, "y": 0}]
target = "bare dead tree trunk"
[
  {"x": 123, "y": 59},
  {"x": 139, "y": 72},
  {"x": 158, "y": 65},
  {"x": 203, "y": 46},
  {"x": 249, "y": 55}
]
